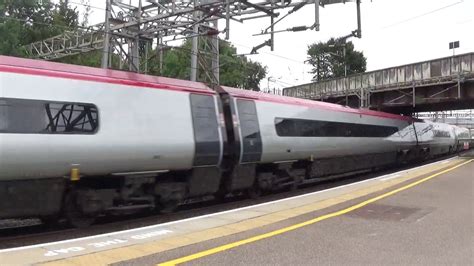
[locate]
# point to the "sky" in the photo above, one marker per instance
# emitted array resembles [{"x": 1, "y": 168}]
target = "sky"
[{"x": 394, "y": 32}]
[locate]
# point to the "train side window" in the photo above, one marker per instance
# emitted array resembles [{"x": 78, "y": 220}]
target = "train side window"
[
  {"x": 286, "y": 127},
  {"x": 71, "y": 118},
  {"x": 43, "y": 117},
  {"x": 19, "y": 116}
]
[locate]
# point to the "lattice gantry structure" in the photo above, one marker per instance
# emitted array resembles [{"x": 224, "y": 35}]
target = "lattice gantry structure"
[{"x": 132, "y": 28}]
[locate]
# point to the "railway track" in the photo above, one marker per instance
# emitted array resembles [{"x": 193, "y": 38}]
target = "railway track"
[{"x": 34, "y": 232}]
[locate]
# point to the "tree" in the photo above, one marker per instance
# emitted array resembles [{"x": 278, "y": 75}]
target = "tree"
[
  {"x": 235, "y": 71},
  {"x": 26, "y": 21},
  {"x": 255, "y": 73},
  {"x": 92, "y": 59},
  {"x": 327, "y": 59}
]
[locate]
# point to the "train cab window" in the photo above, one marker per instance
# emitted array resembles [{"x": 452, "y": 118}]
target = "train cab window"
[{"x": 43, "y": 117}]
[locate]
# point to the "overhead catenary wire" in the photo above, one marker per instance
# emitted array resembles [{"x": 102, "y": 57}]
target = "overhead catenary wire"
[
  {"x": 241, "y": 45},
  {"x": 284, "y": 82},
  {"x": 100, "y": 8},
  {"x": 269, "y": 53},
  {"x": 103, "y": 31},
  {"x": 87, "y": 5},
  {"x": 284, "y": 57},
  {"x": 225, "y": 59},
  {"x": 130, "y": 57},
  {"x": 422, "y": 15},
  {"x": 48, "y": 24}
]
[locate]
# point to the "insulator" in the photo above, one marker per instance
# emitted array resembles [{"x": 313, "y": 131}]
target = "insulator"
[{"x": 299, "y": 28}]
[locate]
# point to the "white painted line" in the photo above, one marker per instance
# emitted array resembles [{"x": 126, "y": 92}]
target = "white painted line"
[
  {"x": 219, "y": 213},
  {"x": 389, "y": 177}
]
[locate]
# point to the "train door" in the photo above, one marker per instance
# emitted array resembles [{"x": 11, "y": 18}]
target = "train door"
[
  {"x": 251, "y": 140},
  {"x": 207, "y": 132}
]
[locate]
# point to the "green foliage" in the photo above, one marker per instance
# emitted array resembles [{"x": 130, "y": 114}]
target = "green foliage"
[
  {"x": 176, "y": 63},
  {"x": 328, "y": 62},
  {"x": 10, "y": 40},
  {"x": 26, "y": 21},
  {"x": 234, "y": 71},
  {"x": 255, "y": 72},
  {"x": 92, "y": 59}
]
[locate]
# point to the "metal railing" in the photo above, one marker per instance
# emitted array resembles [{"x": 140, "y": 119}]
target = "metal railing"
[{"x": 441, "y": 70}]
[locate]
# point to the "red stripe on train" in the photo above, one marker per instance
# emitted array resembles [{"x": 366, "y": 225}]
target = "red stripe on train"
[{"x": 67, "y": 71}]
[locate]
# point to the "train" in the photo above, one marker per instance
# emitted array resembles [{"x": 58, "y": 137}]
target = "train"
[{"x": 79, "y": 142}]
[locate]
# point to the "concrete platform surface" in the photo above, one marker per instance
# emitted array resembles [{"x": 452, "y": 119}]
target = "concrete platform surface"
[
  {"x": 319, "y": 242},
  {"x": 428, "y": 224},
  {"x": 468, "y": 153}
]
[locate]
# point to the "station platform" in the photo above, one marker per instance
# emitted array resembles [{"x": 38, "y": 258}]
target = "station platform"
[
  {"x": 423, "y": 215},
  {"x": 468, "y": 153}
]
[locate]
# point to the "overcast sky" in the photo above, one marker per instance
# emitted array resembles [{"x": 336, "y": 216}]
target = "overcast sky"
[{"x": 394, "y": 32}]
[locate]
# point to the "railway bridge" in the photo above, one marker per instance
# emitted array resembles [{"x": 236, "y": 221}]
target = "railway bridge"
[{"x": 435, "y": 85}]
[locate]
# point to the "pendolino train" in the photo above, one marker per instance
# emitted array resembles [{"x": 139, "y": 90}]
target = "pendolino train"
[{"x": 78, "y": 142}]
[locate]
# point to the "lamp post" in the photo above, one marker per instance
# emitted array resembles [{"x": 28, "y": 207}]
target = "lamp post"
[
  {"x": 272, "y": 79},
  {"x": 268, "y": 83}
]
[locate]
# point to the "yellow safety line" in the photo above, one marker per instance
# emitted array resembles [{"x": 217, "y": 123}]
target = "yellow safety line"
[{"x": 299, "y": 225}]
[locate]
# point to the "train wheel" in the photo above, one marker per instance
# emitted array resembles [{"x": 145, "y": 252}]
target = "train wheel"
[{"x": 74, "y": 214}]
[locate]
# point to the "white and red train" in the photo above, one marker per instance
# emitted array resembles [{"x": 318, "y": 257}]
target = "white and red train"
[{"x": 80, "y": 142}]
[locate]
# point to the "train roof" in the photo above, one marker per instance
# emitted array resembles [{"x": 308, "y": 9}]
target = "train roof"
[
  {"x": 60, "y": 70},
  {"x": 247, "y": 94}
]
